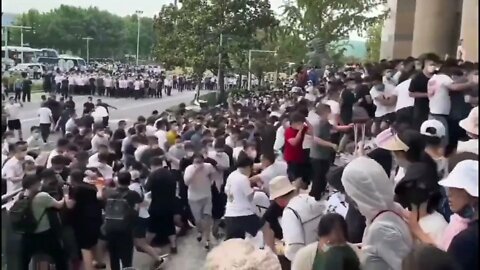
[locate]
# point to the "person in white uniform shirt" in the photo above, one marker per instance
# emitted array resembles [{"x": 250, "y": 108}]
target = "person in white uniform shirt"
[
  {"x": 71, "y": 83},
  {"x": 12, "y": 170},
  {"x": 199, "y": 179},
  {"x": 300, "y": 217}
]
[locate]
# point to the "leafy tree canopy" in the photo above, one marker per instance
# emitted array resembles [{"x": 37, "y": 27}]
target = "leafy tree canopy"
[{"x": 63, "y": 29}]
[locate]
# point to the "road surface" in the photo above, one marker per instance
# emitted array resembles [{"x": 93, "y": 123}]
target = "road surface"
[
  {"x": 191, "y": 254},
  {"x": 128, "y": 109}
]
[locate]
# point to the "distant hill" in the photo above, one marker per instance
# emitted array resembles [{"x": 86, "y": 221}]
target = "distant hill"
[
  {"x": 8, "y": 18},
  {"x": 356, "y": 48}
]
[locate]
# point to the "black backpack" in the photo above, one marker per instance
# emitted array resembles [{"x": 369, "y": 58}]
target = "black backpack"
[
  {"x": 118, "y": 214},
  {"x": 21, "y": 215}
]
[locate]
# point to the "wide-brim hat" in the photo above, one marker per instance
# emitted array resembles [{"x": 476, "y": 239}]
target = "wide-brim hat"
[
  {"x": 280, "y": 186},
  {"x": 470, "y": 124}
]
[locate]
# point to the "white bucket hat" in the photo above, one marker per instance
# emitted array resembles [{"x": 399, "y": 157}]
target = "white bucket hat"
[
  {"x": 280, "y": 186},
  {"x": 463, "y": 176},
  {"x": 470, "y": 124}
]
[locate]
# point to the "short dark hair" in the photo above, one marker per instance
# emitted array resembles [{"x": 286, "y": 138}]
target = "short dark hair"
[
  {"x": 244, "y": 161},
  {"x": 331, "y": 221},
  {"x": 62, "y": 142},
  {"x": 124, "y": 178},
  {"x": 30, "y": 180},
  {"x": 297, "y": 117},
  {"x": 58, "y": 160},
  {"x": 156, "y": 162}
]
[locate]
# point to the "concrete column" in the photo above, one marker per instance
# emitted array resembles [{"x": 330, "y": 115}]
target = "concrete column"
[
  {"x": 397, "y": 32},
  {"x": 434, "y": 27},
  {"x": 469, "y": 29}
]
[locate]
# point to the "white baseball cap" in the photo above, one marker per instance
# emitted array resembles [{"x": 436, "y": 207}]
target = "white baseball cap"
[
  {"x": 463, "y": 176},
  {"x": 433, "y": 128}
]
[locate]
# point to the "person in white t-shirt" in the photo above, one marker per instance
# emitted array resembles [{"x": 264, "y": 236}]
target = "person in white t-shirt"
[
  {"x": 12, "y": 109},
  {"x": 385, "y": 99},
  {"x": 404, "y": 106},
  {"x": 199, "y": 179},
  {"x": 240, "y": 213},
  {"x": 271, "y": 168},
  {"x": 12, "y": 170},
  {"x": 46, "y": 121}
]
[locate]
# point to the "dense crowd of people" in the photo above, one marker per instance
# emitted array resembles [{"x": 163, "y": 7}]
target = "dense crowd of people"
[{"x": 361, "y": 167}]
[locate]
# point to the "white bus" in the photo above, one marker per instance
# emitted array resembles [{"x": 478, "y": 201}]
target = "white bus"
[{"x": 15, "y": 53}]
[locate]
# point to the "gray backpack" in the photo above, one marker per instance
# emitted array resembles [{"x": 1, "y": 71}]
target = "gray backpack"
[{"x": 118, "y": 214}]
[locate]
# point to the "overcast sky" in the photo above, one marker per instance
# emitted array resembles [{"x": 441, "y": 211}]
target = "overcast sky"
[{"x": 149, "y": 7}]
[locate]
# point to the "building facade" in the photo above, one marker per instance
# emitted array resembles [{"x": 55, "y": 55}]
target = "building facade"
[{"x": 415, "y": 27}]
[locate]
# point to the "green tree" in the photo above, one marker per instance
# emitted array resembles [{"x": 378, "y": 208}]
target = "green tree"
[
  {"x": 189, "y": 35},
  {"x": 331, "y": 20},
  {"x": 374, "y": 42},
  {"x": 63, "y": 29}
]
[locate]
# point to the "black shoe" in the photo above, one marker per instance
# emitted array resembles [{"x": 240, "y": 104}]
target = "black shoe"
[
  {"x": 207, "y": 245},
  {"x": 199, "y": 237},
  {"x": 158, "y": 264},
  {"x": 173, "y": 250},
  {"x": 100, "y": 266}
]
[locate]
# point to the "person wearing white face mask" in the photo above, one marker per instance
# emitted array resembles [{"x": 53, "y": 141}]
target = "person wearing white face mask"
[
  {"x": 199, "y": 178},
  {"x": 35, "y": 141},
  {"x": 223, "y": 164},
  {"x": 418, "y": 89}
]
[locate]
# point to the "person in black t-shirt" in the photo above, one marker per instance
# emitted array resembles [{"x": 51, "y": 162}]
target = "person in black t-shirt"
[
  {"x": 26, "y": 87},
  {"x": 120, "y": 245},
  {"x": 418, "y": 89},
  {"x": 88, "y": 106}
]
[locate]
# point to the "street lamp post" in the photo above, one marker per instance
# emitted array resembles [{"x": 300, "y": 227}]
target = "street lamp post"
[
  {"x": 21, "y": 38},
  {"x": 138, "y": 12},
  {"x": 88, "y": 48},
  {"x": 249, "y": 85}
]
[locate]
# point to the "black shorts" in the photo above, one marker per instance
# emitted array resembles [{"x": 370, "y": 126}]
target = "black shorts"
[
  {"x": 299, "y": 170},
  {"x": 162, "y": 225},
  {"x": 236, "y": 227},
  {"x": 140, "y": 228},
  {"x": 14, "y": 124},
  {"x": 87, "y": 235}
]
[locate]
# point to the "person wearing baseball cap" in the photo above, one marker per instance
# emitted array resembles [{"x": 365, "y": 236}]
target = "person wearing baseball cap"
[
  {"x": 470, "y": 125},
  {"x": 434, "y": 133},
  {"x": 301, "y": 215}
]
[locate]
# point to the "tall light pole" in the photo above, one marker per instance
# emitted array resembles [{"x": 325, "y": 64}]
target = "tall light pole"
[
  {"x": 21, "y": 37},
  {"x": 88, "y": 48},
  {"x": 249, "y": 85},
  {"x": 138, "y": 12}
]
